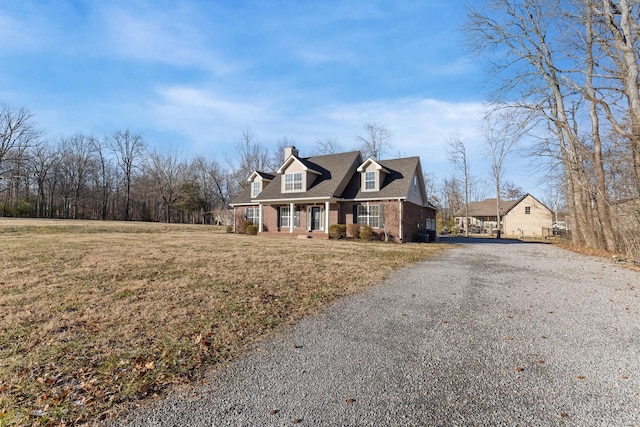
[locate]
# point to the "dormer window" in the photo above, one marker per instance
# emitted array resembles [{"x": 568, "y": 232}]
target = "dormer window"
[
  {"x": 370, "y": 180},
  {"x": 258, "y": 181},
  {"x": 372, "y": 175},
  {"x": 293, "y": 181},
  {"x": 256, "y": 187}
]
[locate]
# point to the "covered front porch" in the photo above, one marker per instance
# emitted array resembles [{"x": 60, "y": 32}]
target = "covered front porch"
[{"x": 307, "y": 218}]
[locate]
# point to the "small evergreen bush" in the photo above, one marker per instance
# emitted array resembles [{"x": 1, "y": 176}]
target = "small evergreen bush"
[
  {"x": 366, "y": 233},
  {"x": 229, "y": 228},
  {"x": 252, "y": 230},
  {"x": 337, "y": 231}
]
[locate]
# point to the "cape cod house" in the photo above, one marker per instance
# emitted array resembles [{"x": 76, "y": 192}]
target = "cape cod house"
[
  {"x": 307, "y": 195},
  {"x": 524, "y": 217}
]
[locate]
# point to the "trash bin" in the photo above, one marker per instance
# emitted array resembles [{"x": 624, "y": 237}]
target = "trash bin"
[{"x": 422, "y": 237}]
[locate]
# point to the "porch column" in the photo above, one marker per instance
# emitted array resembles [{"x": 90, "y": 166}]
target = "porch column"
[
  {"x": 260, "y": 217},
  {"x": 234, "y": 219},
  {"x": 401, "y": 219},
  {"x": 327, "y": 206},
  {"x": 291, "y": 214}
]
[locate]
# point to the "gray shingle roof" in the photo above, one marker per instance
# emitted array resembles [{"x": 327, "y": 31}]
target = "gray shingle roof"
[
  {"x": 487, "y": 207},
  {"x": 334, "y": 172},
  {"x": 339, "y": 179},
  {"x": 396, "y": 184}
]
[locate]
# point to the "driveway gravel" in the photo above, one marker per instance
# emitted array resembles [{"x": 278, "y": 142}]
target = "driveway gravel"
[{"x": 492, "y": 332}]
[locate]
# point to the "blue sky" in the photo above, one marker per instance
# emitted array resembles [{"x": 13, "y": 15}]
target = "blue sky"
[{"x": 191, "y": 76}]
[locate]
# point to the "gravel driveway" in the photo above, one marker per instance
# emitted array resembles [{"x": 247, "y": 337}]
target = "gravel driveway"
[{"x": 489, "y": 333}]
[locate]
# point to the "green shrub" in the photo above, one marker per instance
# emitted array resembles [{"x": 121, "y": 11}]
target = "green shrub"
[
  {"x": 353, "y": 231},
  {"x": 229, "y": 228},
  {"x": 366, "y": 233},
  {"x": 252, "y": 230},
  {"x": 337, "y": 231}
]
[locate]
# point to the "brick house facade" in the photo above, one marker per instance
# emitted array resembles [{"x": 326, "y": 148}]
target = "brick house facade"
[{"x": 307, "y": 195}]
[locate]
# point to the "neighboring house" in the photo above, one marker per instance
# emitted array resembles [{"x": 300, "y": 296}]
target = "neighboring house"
[
  {"x": 525, "y": 217},
  {"x": 307, "y": 195}
]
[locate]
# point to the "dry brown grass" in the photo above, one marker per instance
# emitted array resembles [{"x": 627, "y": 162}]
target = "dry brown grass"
[{"x": 97, "y": 315}]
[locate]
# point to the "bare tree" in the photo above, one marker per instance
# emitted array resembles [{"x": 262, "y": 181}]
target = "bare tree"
[
  {"x": 77, "y": 160},
  {"x": 104, "y": 174},
  {"x": 375, "y": 141},
  {"x": 42, "y": 159},
  {"x": 327, "y": 146},
  {"x": 501, "y": 134},
  {"x": 510, "y": 191},
  {"x": 431, "y": 188},
  {"x": 17, "y": 132},
  {"x": 250, "y": 156},
  {"x": 129, "y": 149},
  {"x": 451, "y": 199},
  {"x": 458, "y": 156},
  {"x": 164, "y": 172},
  {"x": 526, "y": 35},
  {"x": 614, "y": 25},
  {"x": 390, "y": 218}
]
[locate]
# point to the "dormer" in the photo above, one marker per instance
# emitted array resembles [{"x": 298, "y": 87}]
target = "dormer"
[
  {"x": 372, "y": 175},
  {"x": 297, "y": 175},
  {"x": 258, "y": 181}
]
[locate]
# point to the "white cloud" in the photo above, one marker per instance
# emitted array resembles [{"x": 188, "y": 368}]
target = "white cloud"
[
  {"x": 163, "y": 36},
  {"x": 418, "y": 126}
]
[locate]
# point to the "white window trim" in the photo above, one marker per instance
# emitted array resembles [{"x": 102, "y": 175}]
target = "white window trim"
[
  {"x": 322, "y": 217},
  {"x": 374, "y": 181},
  {"x": 294, "y": 183},
  {"x": 255, "y": 215},
  {"x": 256, "y": 188},
  {"x": 368, "y": 216}
]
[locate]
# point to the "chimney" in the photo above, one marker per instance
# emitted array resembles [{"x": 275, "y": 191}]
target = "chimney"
[{"x": 290, "y": 151}]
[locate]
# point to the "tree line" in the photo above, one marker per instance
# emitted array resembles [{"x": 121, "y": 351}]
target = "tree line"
[
  {"x": 113, "y": 177},
  {"x": 118, "y": 177}
]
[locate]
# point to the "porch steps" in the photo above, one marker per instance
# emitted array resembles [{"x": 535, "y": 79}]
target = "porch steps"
[{"x": 296, "y": 235}]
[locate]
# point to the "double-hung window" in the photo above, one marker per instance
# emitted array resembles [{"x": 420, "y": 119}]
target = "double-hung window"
[
  {"x": 527, "y": 210},
  {"x": 255, "y": 188},
  {"x": 370, "y": 180},
  {"x": 253, "y": 215},
  {"x": 369, "y": 215},
  {"x": 293, "y": 181},
  {"x": 285, "y": 216}
]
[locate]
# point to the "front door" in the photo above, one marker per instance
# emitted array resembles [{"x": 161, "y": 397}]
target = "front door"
[{"x": 315, "y": 218}]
